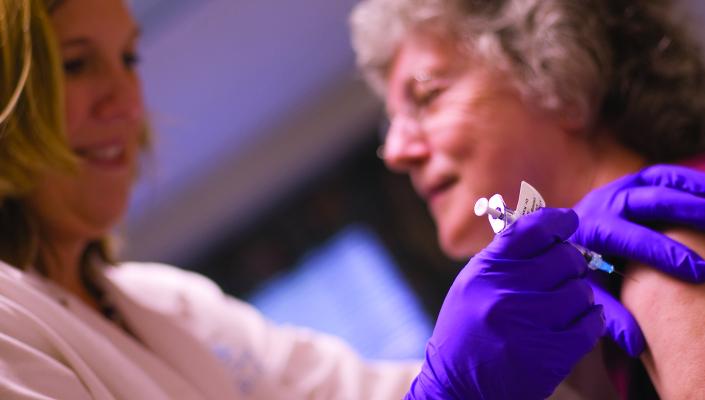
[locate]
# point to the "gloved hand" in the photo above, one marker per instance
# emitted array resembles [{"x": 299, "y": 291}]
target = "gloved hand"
[
  {"x": 609, "y": 224},
  {"x": 516, "y": 319}
]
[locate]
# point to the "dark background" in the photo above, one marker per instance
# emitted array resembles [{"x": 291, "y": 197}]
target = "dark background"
[{"x": 359, "y": 189}]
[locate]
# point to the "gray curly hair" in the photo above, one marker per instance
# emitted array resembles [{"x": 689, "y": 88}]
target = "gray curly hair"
[{"x": 621, "y": 64}]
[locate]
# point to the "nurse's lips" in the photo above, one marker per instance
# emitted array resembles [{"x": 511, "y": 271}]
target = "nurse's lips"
[{"x": 111, "y": 154}]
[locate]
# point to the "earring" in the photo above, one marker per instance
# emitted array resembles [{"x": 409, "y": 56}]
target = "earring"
[{"x": 380, "y": 152}]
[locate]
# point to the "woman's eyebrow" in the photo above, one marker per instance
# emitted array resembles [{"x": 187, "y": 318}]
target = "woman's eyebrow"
[
  {"x": 81, "y": 41},
  {"x": 75, "y": 42},
  {"x": 52, "y": 5}
]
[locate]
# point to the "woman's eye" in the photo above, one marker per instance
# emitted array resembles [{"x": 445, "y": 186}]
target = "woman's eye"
[
  {"x": 131, "y": 59},
  {"x": 426, "y": 96},
  {"x": 74, "y": 66}
]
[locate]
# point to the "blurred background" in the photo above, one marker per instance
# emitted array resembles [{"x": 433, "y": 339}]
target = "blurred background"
[{"x": 264, "y": 174}]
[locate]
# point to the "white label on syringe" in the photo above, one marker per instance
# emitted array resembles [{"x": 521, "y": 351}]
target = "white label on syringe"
[{"x": 529, "y": 200}]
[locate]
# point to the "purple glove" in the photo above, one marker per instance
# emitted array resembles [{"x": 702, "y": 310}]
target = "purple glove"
[
  {"x": 516, "y": 319},
  {"x": 609, "y": 218}
]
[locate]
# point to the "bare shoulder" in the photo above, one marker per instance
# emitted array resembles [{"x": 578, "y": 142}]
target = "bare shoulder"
[
  {"x": 671, "y": 314},
  {"x": 647, "y": 280}
]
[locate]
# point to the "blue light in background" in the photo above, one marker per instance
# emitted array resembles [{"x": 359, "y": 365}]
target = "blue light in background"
[{"x": 350, "y": 287}]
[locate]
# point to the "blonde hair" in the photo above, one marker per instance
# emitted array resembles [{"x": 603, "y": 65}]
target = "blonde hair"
[{"x": 32, "y": 132}]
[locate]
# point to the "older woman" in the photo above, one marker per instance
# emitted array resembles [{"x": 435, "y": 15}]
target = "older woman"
[{"x": 567, "y": 95}]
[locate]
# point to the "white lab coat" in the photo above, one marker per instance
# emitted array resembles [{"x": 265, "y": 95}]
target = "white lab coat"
[{"x": 194, "y": 343}]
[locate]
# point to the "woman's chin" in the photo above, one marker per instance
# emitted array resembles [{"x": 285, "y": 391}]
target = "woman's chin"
[
  {"x": 102, "y": 222},
  {"x": 463, "y": 245}
]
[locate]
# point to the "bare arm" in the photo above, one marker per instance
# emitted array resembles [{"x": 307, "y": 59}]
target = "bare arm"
[{"x": 671, "y": 314}]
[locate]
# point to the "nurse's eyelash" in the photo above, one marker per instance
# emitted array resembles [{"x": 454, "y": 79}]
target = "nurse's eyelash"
[
  {"x": 74, "y": 66},
  {"x": 131, "y": 59}
]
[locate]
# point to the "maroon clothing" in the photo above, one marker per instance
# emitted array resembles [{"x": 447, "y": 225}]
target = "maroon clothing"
[{"x": 697, "y": 163}]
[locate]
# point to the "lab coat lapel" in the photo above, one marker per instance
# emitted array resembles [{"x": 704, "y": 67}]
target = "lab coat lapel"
[
  {"x": 173, "y": 344},
  {"x": 81, "y": 349}
]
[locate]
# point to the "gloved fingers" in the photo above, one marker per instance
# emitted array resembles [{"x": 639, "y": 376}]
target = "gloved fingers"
[
  {"x": 562, "y": 262},
  {"x": 625, "y": 239},
  {"x": 532, "y": 234},
  {"x": 572, "y": 299},
  {"x": 570, "y": 344},
  {"x": 620, "y": 324},
  {"x": 662, "y": 204},
  {"x": 548, "y": 270},
  {"x": 554, "y": 310},
  {"x": 676, "y": 177},
  {"x": 584, "y": 333},
  {"x": 426, "y": 386}
]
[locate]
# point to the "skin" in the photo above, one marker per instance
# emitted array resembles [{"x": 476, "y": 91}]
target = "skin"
[
  {"x": 105, "y": 119},
  {"x": 465, "y": 133},
  {"x": 669, "y": 312}
]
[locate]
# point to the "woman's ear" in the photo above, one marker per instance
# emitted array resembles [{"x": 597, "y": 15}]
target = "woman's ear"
[{"x": 573, "y": 118}]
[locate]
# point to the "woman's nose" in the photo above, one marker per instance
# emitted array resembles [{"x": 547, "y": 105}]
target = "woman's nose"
[
  {"x": 122, "y": 99},
  {"x": 405, "y": 145}
]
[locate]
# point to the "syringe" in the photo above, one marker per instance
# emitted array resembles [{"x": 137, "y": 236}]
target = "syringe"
[
  {"x": 508, "y": 216},
  {"x": 594, "y": 260}
]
